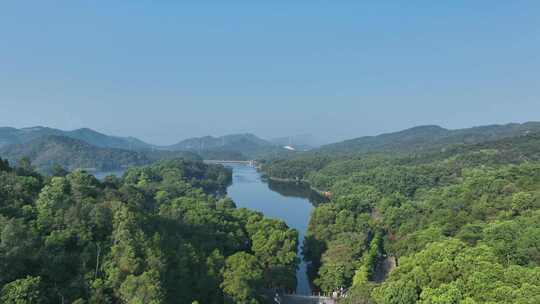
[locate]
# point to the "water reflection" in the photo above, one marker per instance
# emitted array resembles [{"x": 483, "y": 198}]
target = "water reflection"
[
  {"x": 299, "y": 189},
  {"x": 278, "y": 200},
  {"x": 290, "y": 202},
  {"x": 102, "y": 174}
]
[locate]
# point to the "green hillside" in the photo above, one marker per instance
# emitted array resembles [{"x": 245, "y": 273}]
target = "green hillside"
[
  {"x": 160, "y": 234},
  {"x": 229, "y": 147},
  {"x": 45, "y": 152},
  {"x": 429, "y": 137},
  {"x": 455, "y": 224},
  {"x": 9, "y": 136}
]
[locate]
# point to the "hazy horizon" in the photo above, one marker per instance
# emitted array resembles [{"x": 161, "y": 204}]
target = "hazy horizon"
[
  {"x": 320, "y": 140},
  {"x": 166, "y": 71}
]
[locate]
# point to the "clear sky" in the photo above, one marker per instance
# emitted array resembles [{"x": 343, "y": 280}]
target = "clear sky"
[{"x": 165, "y": 70}]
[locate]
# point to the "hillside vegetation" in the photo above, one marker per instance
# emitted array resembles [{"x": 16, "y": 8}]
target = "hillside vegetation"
[
  {"x": 45, "y": 152},
  {"x": 462, "y": 221},
  {"x": 160, "y": 234},
  {"x": 429, "y": 138},
  {"x": 49, "y": 152},
  {"x": 229, "y": 147},
  {"x": 9, "y": 136}
]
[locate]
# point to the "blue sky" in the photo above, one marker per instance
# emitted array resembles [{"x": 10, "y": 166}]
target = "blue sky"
[{"x": 165, "y": 70}]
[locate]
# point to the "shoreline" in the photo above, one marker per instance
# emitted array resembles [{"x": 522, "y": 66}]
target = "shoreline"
[{"x": 326, "y": 194}]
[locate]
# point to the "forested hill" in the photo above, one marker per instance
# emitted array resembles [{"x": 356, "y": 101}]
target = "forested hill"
[
  {"x": 158, "y": 235},
  {"x": 462, "y": 222},
  {"x": 50, "y": 151},
  {"x": 45, "y": 152},
  {"x": 229, "y": 147},
  {"x": 429, "y": 137},
  {"x": 318, "y": 169},
  {"x": 9, "y": 136}
]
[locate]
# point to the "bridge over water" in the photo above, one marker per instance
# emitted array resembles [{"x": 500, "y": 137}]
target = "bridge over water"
[{"x": 223, "y": 162}]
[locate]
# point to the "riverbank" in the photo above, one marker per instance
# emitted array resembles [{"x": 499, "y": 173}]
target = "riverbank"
[
  {"x": 250, "y": 190},
  {"x": 323, "y": 193}
]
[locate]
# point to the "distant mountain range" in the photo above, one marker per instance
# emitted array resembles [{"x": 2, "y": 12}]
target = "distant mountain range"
[
  {"x": 236, "y": 146},
  {"x": 70, "y": 153},
  {"x": 429, "y": 137},
  {"x": 9, "y": 136},
  {"x": 229, "y": 147},
  {"x": 86, "y": 148}
]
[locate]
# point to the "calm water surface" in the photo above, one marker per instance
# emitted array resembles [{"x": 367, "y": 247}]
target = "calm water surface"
[
  {"x": 250, "y": 191},
  {"x": 275, "y": 200},
  {"x": 102, "y": 174}
]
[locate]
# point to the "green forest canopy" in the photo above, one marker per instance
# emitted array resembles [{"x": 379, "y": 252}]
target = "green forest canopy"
[
  {"x": 463, "y": 222},
  {"x": 160, "y": 234}
]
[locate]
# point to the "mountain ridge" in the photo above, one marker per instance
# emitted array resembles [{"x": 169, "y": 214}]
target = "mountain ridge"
[
  {"x": 231, "y": 147},
  {"x": 242, "y": 146},
  {"x": 46, "y": 151},
  {"x": 429, "y": 137},
  {"x": 10, "y": 135}
]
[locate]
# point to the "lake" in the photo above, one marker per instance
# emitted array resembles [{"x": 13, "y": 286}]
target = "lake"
[{"x": 290, "y": 204}]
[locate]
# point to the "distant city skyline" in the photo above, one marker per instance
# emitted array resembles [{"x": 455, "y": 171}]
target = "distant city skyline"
[{"x": 166, "y": 71}]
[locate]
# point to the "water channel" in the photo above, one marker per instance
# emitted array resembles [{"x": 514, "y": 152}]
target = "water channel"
[{"x": 290, "y": 203}]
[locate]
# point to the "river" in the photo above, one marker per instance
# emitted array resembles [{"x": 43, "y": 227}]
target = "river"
[
  {"x": 102, "y": 174},
  {"x": 250, "y": 191},
  {"x": 284, "y": 201}
]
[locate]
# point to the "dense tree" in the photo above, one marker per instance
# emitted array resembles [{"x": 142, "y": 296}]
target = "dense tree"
[
  {"x": 275, "y": 248},
  {"x": 460, "y": 221},
  {"x": 4, "y": 165},
  {"x": 242, "y": 278},
  {"x": 160, "y": 234},
  {"x": 22, "y": 291}
]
